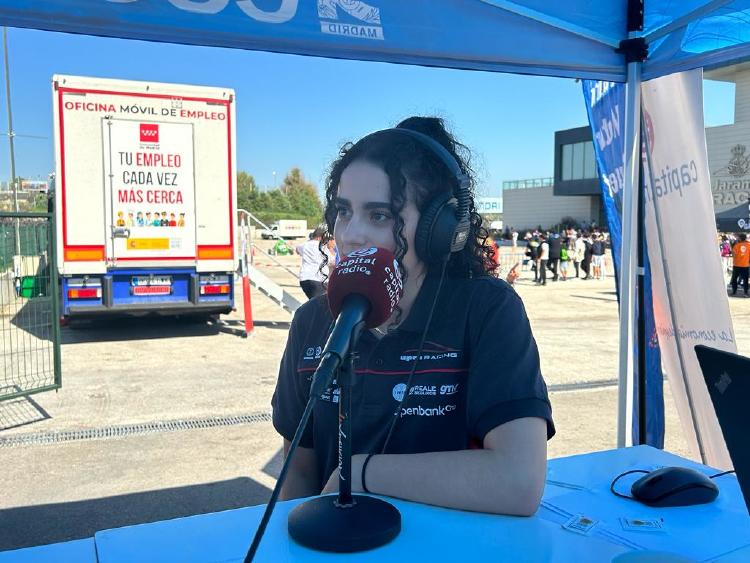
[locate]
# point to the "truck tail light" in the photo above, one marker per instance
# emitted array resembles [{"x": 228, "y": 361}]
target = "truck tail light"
[
  {"x": 215, "y": 289},
  {"x": 85, "y": 293}
]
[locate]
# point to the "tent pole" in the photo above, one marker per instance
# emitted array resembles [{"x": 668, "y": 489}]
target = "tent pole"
[
  {"x": 641, "y": 311},
  {"x": 628, "y": 267}
]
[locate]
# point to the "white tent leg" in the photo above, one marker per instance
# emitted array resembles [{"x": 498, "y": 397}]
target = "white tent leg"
[{"x": 628, "y": 264}]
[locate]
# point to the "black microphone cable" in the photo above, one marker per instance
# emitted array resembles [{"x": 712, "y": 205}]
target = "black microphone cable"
[
  {"x": 403, "y": 400},
  {"x": 282, "y": 476},
  {"x": 285, "y": 467}
]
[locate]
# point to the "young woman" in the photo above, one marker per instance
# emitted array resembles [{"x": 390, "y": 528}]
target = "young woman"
[{"x": 471, "y": 433}]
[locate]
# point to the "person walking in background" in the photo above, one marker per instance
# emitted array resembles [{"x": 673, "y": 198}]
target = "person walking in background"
[
  {"x": 579, "y": 250},
  {"x": 514, "y": 238},
  {"x": 543, "y": 259},
  {"x": 597, "y": 255},
  {"x": 532, "y": 251},
  {"x": 725, "y": 250},
  {"x": 740, "y": 263},
  {"x": 555, "y": 247},
  {"x": 604, "y": 237},
  {"x": 311, "y": 276},
  {"x": 564, "y": 260},
  {"x": 587, "y": 256}
]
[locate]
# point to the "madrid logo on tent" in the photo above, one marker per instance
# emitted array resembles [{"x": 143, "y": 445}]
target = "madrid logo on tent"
[
  {"x": 346, "y": 17},
  {"x": 149, "y": 132}
]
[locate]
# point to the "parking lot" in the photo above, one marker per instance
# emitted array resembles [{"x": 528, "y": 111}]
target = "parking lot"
[{"x": 161, "y": 418}]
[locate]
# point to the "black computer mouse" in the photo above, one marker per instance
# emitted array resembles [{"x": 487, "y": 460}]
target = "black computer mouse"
[{"x": 674, "y": 486}]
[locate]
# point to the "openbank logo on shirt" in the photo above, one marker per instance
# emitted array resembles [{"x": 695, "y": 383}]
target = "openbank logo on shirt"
[
  {"x": 330, "y": 12},
  {"x": 440, "y": 410}
]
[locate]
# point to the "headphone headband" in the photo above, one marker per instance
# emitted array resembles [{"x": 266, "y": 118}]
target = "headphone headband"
[
  {"x": 444, "y": 226},
  {"x": 461, "y": 180}
]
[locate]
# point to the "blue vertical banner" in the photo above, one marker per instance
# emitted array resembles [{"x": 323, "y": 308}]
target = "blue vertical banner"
[{"x": 605, "y": 104}]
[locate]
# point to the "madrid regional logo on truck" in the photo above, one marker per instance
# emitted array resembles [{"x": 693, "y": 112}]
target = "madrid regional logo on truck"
[{"x": 149, "y": 132}]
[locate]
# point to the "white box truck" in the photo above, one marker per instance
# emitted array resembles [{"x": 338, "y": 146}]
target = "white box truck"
[
  {"x": 145, "y": 197},
  {"x": 286, "y": 229}
]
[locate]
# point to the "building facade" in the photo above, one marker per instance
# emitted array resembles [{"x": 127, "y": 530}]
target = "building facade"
[
  {"x": 528, "y": 204},
  {"x": 729, "y": 154},
  {"x": 574, "y": 190}
]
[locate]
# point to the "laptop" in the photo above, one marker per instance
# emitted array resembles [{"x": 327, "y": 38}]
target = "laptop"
[{"x": 727, "y": 377}]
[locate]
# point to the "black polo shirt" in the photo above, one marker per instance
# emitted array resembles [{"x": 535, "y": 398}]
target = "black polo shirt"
[{"x": 479, "y": 369}]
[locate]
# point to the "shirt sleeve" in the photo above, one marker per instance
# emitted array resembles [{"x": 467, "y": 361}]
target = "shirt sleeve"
[
  {"x": 292, "y": 390},
  {"x": 505, "y": 379}
]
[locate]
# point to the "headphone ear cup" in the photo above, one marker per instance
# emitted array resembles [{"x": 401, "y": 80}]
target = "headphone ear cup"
[{"x": 435, "y": 230}]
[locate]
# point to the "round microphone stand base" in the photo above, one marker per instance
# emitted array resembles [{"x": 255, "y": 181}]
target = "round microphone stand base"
[{"x": 321, "y": 524}]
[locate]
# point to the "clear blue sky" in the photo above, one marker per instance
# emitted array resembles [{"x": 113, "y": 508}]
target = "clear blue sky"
[{"x": 297, "y": 111}]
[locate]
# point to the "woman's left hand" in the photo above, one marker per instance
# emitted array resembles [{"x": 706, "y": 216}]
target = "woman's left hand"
[{"x": 332, "y": 486}]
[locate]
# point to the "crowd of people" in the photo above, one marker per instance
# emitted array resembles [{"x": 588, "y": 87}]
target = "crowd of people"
[
  {"x": 569, "y": 254},
  {"x": 557, "y": 256}
]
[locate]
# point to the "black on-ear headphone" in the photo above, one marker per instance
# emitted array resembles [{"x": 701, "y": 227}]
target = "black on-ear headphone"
[{"x": 444, "y": 225}]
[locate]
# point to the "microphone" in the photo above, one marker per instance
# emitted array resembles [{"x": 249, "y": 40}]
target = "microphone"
[{"x": 363, "y": 291}]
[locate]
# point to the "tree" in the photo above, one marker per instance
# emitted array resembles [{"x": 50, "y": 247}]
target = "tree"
[
  {"x": 295, "y": 199},
  {"x": 247, "y": 191},
  {"x": 303, "y": 197},
  {"x": 279, "y": 202}
]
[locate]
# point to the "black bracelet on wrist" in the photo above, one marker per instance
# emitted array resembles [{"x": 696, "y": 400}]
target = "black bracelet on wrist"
[{"x": 364, "y": 469}]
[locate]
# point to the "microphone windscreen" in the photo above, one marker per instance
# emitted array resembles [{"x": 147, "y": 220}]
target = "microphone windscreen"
[{"x": 372, "y": 273}]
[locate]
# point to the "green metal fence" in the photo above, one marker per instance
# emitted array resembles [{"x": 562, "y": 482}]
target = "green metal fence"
[{"x": 29, "y": 305}]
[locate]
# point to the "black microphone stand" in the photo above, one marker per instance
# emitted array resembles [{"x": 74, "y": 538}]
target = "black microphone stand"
[
  {"x": 345, "y": 523},
  {"x": 348, "y": 522}
]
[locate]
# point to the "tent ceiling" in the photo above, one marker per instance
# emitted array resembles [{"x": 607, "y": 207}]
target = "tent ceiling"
[{"x": 575, "y": 38}]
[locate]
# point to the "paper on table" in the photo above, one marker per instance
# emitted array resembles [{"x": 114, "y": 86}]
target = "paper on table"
[
  {"x": 701, "y": 532},
  {"x": 552, "y": 513}
]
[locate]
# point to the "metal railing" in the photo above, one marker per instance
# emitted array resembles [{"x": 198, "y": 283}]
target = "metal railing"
[
  {"x": 261, "y": 281},
  {"x": 253, "y": 246},
  {"x": 29, "y": 305},
  {"x": 526, "y": 184}
]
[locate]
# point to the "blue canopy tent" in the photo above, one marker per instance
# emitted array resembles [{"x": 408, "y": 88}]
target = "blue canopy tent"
[{"x": 614, "y": 40}]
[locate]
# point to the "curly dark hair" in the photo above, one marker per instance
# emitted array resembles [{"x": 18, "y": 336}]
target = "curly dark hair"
[{"x": 407, "y": 162}]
